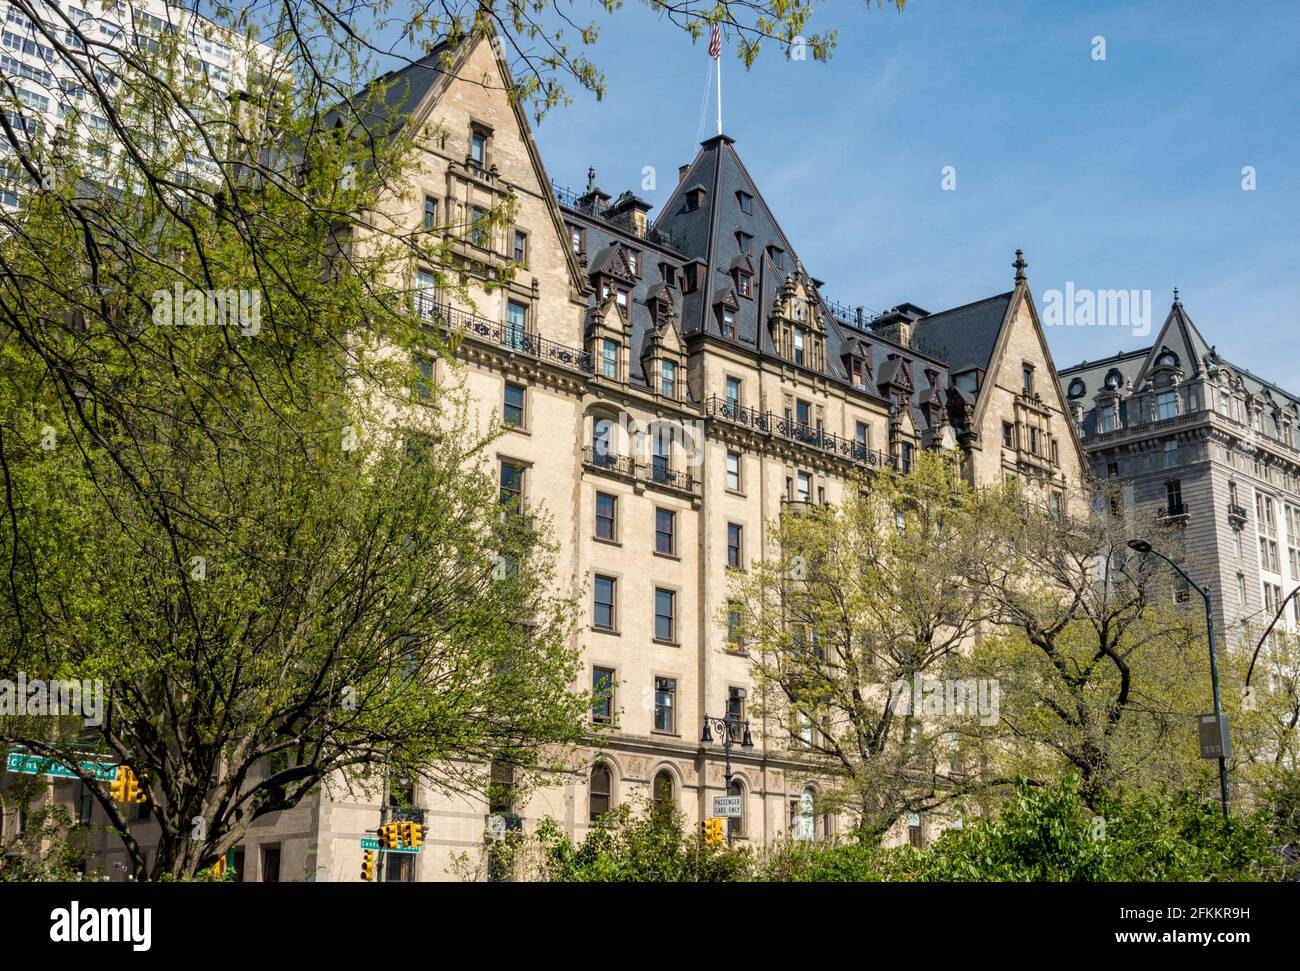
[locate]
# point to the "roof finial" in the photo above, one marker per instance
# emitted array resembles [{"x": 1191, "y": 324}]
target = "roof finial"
[
  {"x": 1177, "y": 302},
  {"x": 591, "y": 179},
  {"x": 1020, "y": 266}
]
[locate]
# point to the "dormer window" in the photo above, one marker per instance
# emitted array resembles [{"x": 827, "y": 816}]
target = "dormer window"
[
  {"x": 728, "y": 322},
  {"x": 689, "y": 277},
  {"x": 577, "y": 239},
  {"x": 623, "y": 297},
  {"x": 609, "y": 359},
  {"x": 694, "y": 198},
  {"x": 745, "y": 241},
  {"x": 633, "y": 261},
  {"x": 744, "y": 285},
  {"x": 777, "y": 255},
  {"x": 668, "y": 273},
  {"x": 745, "y": 200},
  {"x": 798, "y": 345},
  {"x": 668, "y": 379}
]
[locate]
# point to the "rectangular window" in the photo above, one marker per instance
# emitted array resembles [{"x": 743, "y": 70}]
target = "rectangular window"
[
  {"x": 478, "y": 146},
  {"x": 745, "y": 242},
  {"x": 728, "y": 323},
  {"x": 665, "y": 704},
  {"x": 736, "y": 708},
  {"x": 604, "y": 614},
  {"x": 665, "y": 532},
  {"x": 512, "y": 483},
  {"x": 905, "y": 457},
  {"x": 733, "y": 397},
  {"x": 803, "y": 491},
  {"x": 1027, "y": 378},
  {"x": 602, "y": 692},
  {"x": 606, "y": 516},
  {"x": 513, "y": 408},
  {"x": 577, "y": 239},
  {"x": 516, "y": 325},
  {"x": 520, "y": 253},
  {"x": 1166, "y": 405},
  {"x": 735, "y": 535},
  {"x": 609, "y": 359},
  {"x": 733, "y": 626},
  {"x": 430, "y": 212},
  {"x": 733, "y": 471},
  {"x": 862, "y": 434},
  {"x": 665, "y": 614},
  {"x": 1008, "y": 435},
  {"x": 798, "y": 345},
  {"x": 1033, "y": 441},
  {"x": 744, "y": 285},
  {"x": 633, "y": 261},
  {"x": 746, "y": 201},
  {"x": 479, "y": 233},
  {"x": 668, "y": 379},
  {"x": 271, "y": 864},
  {"x": 1174, "y": 497}
]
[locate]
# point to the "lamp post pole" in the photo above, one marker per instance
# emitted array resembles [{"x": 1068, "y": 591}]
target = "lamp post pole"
[
  {"x": 728, "y": 727},
  {"x": 1142, "y": 546}
]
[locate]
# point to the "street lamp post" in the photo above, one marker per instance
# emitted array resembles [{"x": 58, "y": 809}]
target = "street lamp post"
[
  {"x": 728, "y": 727},
  {"x": 1142, "y": 546}
]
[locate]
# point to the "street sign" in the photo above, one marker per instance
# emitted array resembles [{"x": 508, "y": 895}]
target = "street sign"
[
  {"x": 25, "y": 763},
  {"x": 373, "y": 844},
  {"x": 1215, "y": 740},
  {"x": 728, "y": 806}
]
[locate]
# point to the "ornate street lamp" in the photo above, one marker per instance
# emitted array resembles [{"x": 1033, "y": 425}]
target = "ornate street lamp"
[{"x": 728, "y": 726}]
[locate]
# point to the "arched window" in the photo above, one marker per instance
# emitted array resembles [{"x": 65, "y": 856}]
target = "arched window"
[
  {"x": 664, "y": 800},
  {"x": 599, "y": 791},
  {"x": 736, "y": 824},
  {"x": 803, "y": 822}
]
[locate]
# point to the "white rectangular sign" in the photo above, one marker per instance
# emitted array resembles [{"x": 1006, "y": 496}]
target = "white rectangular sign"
[{"x": 726, "y": 806}]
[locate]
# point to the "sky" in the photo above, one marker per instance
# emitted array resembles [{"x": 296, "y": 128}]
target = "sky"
[{"x": 1117, "y": 174}]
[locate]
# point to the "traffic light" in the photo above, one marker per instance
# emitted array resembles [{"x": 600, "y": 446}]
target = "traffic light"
[
  {"x": 389, "y": 837},
  {"x": 405, "y": 834},
  {"x": 368, "y": 866},
  {"x": 713, "y": 831},
  {"x": 416, "y": 839},
  {"x": 219, "y": 868},
  {"x": 133, "y": 791},
  {"x": 125, "y": 787}
]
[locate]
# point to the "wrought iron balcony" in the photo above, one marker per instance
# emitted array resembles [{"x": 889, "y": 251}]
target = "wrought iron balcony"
[
  {"x": 770, "y": 424},
  {"x": 1173, "y": 512},
  {"x": 620, "y": 220},
  {"x": 504, "y": 334},
  {"x": 1237, "y": 515},
  {"x": 655, "y": 472}
]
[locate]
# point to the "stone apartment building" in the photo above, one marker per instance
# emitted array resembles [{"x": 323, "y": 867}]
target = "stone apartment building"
[
  {"x": 673, "y": 384},
  {"x": 1211, "y": 446}
]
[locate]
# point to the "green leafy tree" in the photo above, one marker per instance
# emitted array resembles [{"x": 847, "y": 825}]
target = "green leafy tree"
[
  {"x": 1099, "y": 651},
  {"x": 854, "y": 608}
]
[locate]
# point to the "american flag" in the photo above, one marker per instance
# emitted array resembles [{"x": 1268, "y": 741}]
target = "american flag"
[{"x": 715, "y": 42}]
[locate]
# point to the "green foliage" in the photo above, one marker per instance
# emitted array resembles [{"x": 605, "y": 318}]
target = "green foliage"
[{"x": 1039, "y": 834}]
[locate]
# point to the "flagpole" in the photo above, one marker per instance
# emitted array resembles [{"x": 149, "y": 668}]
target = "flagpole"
[{"x": 719, "y": 62}]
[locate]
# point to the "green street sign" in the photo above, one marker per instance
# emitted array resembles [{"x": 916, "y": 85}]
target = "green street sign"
[
  {"x": 24, "y": 763},
  {"x": 373, "y": 844}
]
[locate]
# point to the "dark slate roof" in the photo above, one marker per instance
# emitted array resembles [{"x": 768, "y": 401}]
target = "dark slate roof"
[
  {"x": 967, "y": 333},
  {"x": 387, "y": 101},
  {"x": 1194, "y": 353}
]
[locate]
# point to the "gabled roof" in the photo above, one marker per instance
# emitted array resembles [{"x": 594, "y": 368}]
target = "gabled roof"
[{"x": 1179, "y": 335}]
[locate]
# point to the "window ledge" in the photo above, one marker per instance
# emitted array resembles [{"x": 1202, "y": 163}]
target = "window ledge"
[
  {"x": 668, "y": 556},
  {"x": 607, "y": 542},
  {"x": 606, "y": 630},
  {"x": 658, "y": 640}
]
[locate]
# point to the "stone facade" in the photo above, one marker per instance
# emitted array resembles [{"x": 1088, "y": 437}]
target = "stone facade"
[
  {"x": 1209, "y": 445},
  {"x": 682, "y": 382}
]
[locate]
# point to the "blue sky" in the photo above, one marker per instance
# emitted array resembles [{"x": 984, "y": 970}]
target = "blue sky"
[{"x": 1117, "y": 174}]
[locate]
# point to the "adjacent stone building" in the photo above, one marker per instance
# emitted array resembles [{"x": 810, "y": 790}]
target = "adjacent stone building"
[{"x": 1211, "y": 447}]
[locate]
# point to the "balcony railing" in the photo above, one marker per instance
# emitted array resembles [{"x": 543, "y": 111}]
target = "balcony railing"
[
  {"x": 655, "y": 472},
  {"x": 798, "y": 431},
  {"x": 1237, "y": 514},
  {"x": 1172, "y": 512},
  {"x": 504, "y": 334}
]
